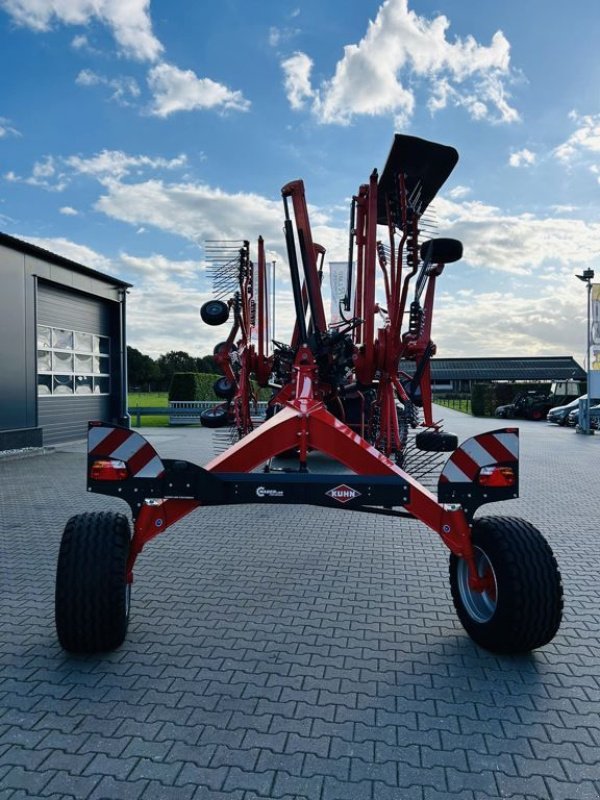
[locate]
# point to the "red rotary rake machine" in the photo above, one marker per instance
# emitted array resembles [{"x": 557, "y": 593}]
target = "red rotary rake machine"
[{"x": 357, "y": 390}]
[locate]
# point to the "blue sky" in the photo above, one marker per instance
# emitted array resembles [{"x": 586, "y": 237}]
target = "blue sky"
[{"x": 132, "y": 131}]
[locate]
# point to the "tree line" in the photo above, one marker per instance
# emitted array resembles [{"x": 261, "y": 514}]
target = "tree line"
[{"x": 147, "y": 374}]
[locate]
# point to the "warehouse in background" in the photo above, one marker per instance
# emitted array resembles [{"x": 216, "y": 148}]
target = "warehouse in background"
[{"x": 62, "y": 347}]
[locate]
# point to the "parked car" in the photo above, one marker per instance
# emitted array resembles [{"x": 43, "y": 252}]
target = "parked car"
[
  {"x": 559, "y": 414},
  {"x": 527, "y": 405},
  {"x": 573, "y": 418}
]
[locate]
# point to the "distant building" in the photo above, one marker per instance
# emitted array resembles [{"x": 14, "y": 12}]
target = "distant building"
[
  {"x": 62, "y": 348},
  {"x": 459, "y": 374}
]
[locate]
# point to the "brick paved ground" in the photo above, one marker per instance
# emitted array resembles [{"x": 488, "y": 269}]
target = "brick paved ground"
[{"x": 297, "y": 652}]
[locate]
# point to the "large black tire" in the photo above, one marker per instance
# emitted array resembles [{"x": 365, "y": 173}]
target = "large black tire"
[
  {"x": 441, "y": 251},
  {"x": 214, "y": 312},
  {"x": 224, "y": 388},
  {"x": 216, "y": 417},
  {"x": 522, "y": 609},
  {"x": 436, "y": 441},
  {"x": 92, "y": 593}
]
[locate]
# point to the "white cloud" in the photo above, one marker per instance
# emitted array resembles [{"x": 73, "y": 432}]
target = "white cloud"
[
  {"x": 522, "y": 158},
  {"x": 522, "y": 244},
  {"x": 583, "y": 145},
  {"x": 297, "y": 69},
  {"x": 194, "y": 211},
  {"x": 374, "y": 76},
  {"x": 117, "y": 164},
  {"x": 69, "y": 211},
  {"x": 175, "y": 89},
  {"x": 6, "y": 129},
  {"x": 124, "y": 88},
  {"x": 495, "y": 323},
  {"x": 56, "y": 172},
  {"x": 75, "y": 252},
  {"x": 129, "y": 20},
  {"x": 80, "y": 42},
  {"x": 459, "y": 192}
]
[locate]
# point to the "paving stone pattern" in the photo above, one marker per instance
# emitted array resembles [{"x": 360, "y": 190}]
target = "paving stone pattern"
[{"x": 297, "y": 653}]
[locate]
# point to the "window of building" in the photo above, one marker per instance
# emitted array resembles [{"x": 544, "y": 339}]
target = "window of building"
[{"x": 72, "y": 362}]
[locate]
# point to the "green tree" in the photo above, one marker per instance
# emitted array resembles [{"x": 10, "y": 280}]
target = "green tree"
[
  {"x": 172, "y": 362},
  {"x": 142, "y": 370}
]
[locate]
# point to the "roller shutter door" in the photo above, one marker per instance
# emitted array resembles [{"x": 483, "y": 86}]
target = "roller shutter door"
[{"x": 77, "y": 355}]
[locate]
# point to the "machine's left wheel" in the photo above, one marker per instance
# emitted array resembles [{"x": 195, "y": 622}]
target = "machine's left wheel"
[
  {"x": 436, "y": 441},
  {"x": 214, "y": 312},
  {"x": 216, "y": 417},
  {"x": 92, "y": 593},
  {"x": 520, "y": 607}
]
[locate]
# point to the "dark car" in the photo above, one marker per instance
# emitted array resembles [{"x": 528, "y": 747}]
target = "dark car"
[
  {"x": 573, "y": 418},
  {"x": 526, "y": 405},
  {"x": 560, "y": 414}
]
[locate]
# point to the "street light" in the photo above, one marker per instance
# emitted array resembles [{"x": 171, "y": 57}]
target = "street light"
[{"x": 584, "y": 408}]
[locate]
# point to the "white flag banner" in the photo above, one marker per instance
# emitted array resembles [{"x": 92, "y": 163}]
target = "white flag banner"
[
  {"x": 338, "y": 281},
  {"x": 594, "y": 353}
]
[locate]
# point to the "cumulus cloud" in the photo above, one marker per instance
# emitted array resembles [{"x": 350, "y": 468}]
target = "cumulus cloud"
[
  {"x": 297, "y": 69},
  {"x": 192, "y": 210},
  {"x": 175, "y": 89},
  {"x": 129, "y": 20},
  {"x": 583, "y": 145},
  {"x": 56, "y": 172},
  {"x": 522, "y": 158},
  {"x": 375, "y": 76},
  {"x": 522, "y": 244},
  {"x": 117, "y": 164},
  {"x": 69, "y": 211},
  {"x": 80, "y": 253}
]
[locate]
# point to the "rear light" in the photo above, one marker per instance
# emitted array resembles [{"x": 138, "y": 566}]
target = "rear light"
[
  {"x": 108, "y": 469},
  {"x": 497, "y": 476}
]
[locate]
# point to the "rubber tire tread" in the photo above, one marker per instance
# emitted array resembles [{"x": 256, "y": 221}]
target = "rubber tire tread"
[
  {"x": 91, "y": 598},
  {"x": 210, "y": 420},
  {"x": 529, "y": 587},
  {"x": 219, "y": 315},
  {"x": 436, "y": 441},
  {"x": 224, "y": 389},
  {"x": 442, "y": 251}
]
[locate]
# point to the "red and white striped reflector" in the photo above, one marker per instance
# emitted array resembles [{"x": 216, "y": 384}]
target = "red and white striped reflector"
[
  {"x": 484, "y": 450},
  {"x": 127, "y": 446}
]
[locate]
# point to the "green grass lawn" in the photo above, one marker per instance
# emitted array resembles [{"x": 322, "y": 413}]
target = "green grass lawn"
[
  {"x": 145, "y": 399},
  {"x": 457, "y": 405},
  {"x": 149, "y": 400}
]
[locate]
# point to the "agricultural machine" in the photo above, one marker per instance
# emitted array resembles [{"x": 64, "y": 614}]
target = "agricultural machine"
[{"x": 357, "y": 390}]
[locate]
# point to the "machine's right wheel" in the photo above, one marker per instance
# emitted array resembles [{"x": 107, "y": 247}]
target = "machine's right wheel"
[
  {"x": 520, "y": 608},
  {"x": 224, "y": 388},
  {"x": 92, "y": 593},
  {"x": 216, "y": 417}
]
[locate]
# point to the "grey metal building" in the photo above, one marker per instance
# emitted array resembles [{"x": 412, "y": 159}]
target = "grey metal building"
[
  {"x": 459, "y": 374},
  {"x": 62, "y": 346}
]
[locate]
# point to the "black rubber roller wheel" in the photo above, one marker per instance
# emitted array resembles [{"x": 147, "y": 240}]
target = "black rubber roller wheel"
[
  {"x": 92, "y": 593},
  {"x": 441, "y": 251},
  {"x": 436, "y": 441},
  {"x": 216, "y": 417},
  {"x": 215, "y": 312},
  {"x": 521, "y": 606},
  {"x": 224, "y": 388}
]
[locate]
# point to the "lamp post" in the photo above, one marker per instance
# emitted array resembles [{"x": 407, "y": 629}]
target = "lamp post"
[{"x": 584, "y": 408}]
